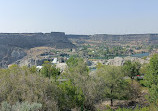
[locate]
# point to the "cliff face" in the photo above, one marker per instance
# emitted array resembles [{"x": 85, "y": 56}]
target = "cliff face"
[
  {"x": 142, "y": 38},
  {"x": 10, "y": 54},
  {"x": 78, "y": 36},
  {"x": 126, "y": 38},
  {"x": 30, "y": 40},
  {"x": 13, "y": 45}
]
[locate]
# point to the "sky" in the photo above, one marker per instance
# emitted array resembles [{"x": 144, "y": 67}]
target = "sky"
[{"x": 79, "y": 16}]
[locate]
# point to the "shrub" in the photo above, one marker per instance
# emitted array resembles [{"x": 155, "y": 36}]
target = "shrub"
[{"x": 24, "y": 106}]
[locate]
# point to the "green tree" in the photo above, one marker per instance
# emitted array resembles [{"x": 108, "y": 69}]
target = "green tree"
[
  {"x": 49, "y": 70},
  {"x": 72, "y": 61},
  {"x": 89, "y": 88},
  {"x": 77, "y": 65},
  {"x": 33, "y": 69},
  {"x": 151, "y": 79},
  {"x": 71, "y": 97},
  {"x": 115, "y": 85},
  {"x": 131, "y": 69}
]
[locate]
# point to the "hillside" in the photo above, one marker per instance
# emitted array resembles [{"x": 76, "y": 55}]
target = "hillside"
[
  {"x": 13, "y": 46},
  {"x": 148, "y": 39}
]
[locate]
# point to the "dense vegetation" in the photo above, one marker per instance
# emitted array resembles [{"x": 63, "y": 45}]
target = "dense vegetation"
[
  {"x": 104, "y": 51},
  {"x": 29, "y": 89}
]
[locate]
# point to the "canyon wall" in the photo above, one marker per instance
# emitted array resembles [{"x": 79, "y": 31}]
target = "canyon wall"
[{"x": 13, "y": 45}]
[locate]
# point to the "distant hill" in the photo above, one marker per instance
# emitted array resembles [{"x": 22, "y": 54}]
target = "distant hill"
[
  {"x": 148, "y": 39},
  {"x": 143, "y": 38}
]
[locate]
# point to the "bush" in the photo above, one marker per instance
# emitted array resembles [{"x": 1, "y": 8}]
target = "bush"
[
  {"x": 18, "y": 85},
  {"x": 24, "y": 106}
]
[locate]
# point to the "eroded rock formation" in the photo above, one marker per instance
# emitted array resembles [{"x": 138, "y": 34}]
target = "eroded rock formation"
[{"x": 13, "y": 45}]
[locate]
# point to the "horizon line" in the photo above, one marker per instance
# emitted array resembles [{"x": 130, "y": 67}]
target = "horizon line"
[{"x": 74, "y": 33}]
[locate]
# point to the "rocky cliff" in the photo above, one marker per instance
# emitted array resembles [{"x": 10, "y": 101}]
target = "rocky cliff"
[
  {"x": 30, "y": 40},
  {"x": 126, "y": 38},
  {"x": 13, "y": 45}
]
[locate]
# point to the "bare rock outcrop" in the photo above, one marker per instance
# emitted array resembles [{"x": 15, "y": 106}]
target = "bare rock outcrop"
[{"x": 119, "y": 61}]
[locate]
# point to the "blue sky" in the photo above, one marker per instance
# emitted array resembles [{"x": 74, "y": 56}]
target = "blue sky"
[{"x": 79, "y": 16}]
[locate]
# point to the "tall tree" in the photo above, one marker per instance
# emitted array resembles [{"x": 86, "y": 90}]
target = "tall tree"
[
  {"x": 89, "y": 88},
  {"x": 151, "y": 79},
  {"x": 115, "y": 85},
  {"x": 49, "y": 70}
]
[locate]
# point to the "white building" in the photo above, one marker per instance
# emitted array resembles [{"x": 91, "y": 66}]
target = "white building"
[
  {"x": 54, "y": 61},
  {"x": 39, "y": 67}
]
